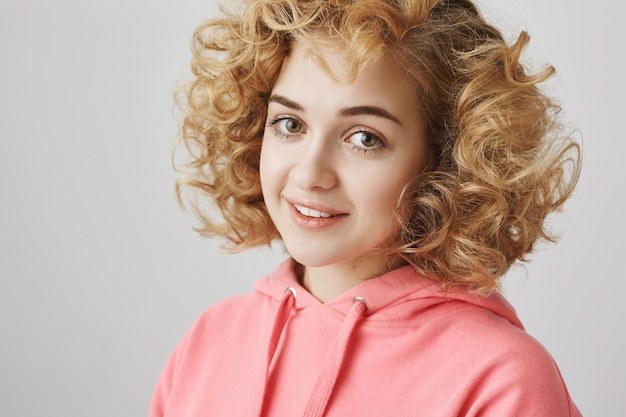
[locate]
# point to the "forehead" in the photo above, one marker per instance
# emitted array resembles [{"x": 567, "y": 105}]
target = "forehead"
[
  {"x": 327, "y": 54},
  {"x": 321, "y": 69},
  {"x": 337, "y": 58}
]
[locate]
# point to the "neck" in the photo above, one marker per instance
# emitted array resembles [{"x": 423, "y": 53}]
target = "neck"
[{"x": 328, "y": 282}]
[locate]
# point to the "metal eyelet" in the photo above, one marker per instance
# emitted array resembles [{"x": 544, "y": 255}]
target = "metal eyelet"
[
  {"x": 292, "y": 291},
  {"x": 361, "y": 300}
]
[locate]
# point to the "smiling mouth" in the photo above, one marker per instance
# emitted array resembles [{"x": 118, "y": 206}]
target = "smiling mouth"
[{"x": 309, "y": 212}]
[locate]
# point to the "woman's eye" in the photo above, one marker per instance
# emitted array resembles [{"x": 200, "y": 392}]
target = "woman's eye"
[
  {"x": 365, "y": 140},
  {"x": 289, "y": 125},
  {"x": 286, "y": 127}
]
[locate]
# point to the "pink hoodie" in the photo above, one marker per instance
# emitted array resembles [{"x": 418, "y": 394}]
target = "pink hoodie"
[{"x": 394, "y": 345}]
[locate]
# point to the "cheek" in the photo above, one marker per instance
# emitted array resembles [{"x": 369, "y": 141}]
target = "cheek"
[
  {"x": 375, "y": 202},
  {"x": 269, "y": 169},
  {"x": 264, "y": 161},
  {"x": 379, "y": 193},
  {"x": 382, "y": 186}
]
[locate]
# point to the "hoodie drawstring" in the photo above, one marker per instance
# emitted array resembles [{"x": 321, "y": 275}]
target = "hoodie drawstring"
[
  {"x": 332, "y": 364},
  {"x": 284, "y": 311},
  {"x": 330, "y": 369},
  {"x": 282, "y": 315}
]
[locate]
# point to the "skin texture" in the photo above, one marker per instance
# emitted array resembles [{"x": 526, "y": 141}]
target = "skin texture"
[{"x": 344, "y": 149}]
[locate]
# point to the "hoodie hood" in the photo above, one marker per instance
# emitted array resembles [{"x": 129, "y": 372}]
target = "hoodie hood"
[
  {"x": 385, "y": 294},
  {"x": 396, "y": 296}
]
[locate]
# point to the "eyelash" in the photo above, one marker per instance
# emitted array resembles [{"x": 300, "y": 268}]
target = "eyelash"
[
  {"x": 274, "y": 123},
  {"x": 380, "y": 145}
]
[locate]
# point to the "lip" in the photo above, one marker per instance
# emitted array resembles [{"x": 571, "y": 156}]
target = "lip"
[{"x": 329, "y": 218}]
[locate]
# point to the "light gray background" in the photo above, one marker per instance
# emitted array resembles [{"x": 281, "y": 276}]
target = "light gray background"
[{"x": 100, "y": 273}]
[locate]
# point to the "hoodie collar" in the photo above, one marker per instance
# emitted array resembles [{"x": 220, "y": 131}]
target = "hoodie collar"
[
  {"x": 398, "y": 286},
  {"x": 372, "y": 298}
]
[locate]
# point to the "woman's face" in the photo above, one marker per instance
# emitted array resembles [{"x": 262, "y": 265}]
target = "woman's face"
[{"x": 336, "y": 156}]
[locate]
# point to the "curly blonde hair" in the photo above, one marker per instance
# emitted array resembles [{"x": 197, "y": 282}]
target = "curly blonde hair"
[{"x": 500, "y": 166}]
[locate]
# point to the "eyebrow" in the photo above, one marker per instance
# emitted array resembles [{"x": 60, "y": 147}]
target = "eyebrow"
[
  {"x": 369, "y": 110},
  {"x": 346, "y": 111},
  {"x": 285, "y": 102}
]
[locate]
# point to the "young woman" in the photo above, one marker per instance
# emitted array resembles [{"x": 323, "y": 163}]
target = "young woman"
[{"x": 405, "y": 159}]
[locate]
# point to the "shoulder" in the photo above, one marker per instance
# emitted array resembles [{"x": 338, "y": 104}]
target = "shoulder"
[
  {"x": 232, "y": 319},
  {"x": 216, "y": 347},
  {"x": 237, "y": 314},
  {"x": 226, "y": 324},
  {"x": 507, "y": 368},
  {"x": 490, "y": 341}
]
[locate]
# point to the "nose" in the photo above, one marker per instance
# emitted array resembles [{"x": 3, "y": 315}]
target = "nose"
[{"x": 314, "y": 166}]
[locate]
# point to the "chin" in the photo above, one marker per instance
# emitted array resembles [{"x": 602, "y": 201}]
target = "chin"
[{"x": 312, "y": 261}]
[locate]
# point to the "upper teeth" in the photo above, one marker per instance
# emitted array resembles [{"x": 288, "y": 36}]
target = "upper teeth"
[{"x": 309, "y": 212}]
